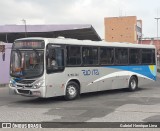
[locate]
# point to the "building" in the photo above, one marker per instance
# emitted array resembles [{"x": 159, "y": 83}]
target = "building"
[{"x": 123, "y": 29}]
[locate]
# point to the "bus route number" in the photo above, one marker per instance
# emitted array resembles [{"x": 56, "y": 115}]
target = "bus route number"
[{"x": 90, "y": 72}]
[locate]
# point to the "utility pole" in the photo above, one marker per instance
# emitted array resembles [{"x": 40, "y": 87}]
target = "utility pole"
[
  {"x": 25, "y": 26},
  {"x": 157, "y": 27},
  {"x": 157, "y": 39}
]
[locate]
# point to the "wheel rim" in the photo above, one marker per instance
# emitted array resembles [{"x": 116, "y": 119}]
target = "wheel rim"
[
  {"x": 72, "y": 91},
  {"x": 133, "y": 84}
]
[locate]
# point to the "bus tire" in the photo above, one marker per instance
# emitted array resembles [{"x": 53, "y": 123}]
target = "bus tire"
[
  {"x": 133, "y": 83},
  {"x": 72, "y": 91}
]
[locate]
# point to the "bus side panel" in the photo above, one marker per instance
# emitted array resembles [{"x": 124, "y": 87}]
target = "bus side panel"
[
  {"x": 88, "y": 76},
  {"x": 107, "y": 78},
  {"x": 150, "y": 72},
  {"x": 114, "y": 77},
  {"x": 145, "y": 73},
  {"x": 55, "y": 84},
  {"x": 110, "y": 79},
  {"x": 93, "y": 79}
]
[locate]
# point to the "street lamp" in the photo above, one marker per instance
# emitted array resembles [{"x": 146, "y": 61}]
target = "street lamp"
[
  {"x": 157, "y": 27},
  {"x": 24, "y": 21}
]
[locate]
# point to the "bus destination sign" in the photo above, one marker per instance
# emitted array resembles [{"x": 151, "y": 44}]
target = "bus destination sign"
[{"x": 29, "y": 44}]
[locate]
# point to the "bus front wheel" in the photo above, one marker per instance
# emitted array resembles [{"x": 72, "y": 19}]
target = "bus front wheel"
[
  {"x": 72, "y": 91},
  {"x": 133, "y": 83}
]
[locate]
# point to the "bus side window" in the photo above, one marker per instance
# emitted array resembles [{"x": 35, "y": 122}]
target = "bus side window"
[
  {"x": 51, "y": 62},
  {"x": 90, "y": 55},
  {"x": 153, "y": 57},
  {"x": 134, "y": 56},
  {"x": 55, "y": 60},
  {"x": 147, "y": 56},
  {"x": 73, "y": 55},
  {"x": 121, "y": 55},
  {"x": 106, "y": 56}
]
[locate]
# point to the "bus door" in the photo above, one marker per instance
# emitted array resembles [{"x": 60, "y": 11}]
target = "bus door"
[{"x": 54, "y": 70}]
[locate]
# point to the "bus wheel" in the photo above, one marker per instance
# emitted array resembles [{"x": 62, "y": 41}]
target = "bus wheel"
[
  {"x": 133, "y": 83},
  {"x": 72, "y": 91}
]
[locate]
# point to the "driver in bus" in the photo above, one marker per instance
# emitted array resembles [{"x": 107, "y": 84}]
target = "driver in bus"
[{"x": 53, "y": 61}]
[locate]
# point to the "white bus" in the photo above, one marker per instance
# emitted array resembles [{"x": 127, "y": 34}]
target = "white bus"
[{"x": 48, "y": 67}]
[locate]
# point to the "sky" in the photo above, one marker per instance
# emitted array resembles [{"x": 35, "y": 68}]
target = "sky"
[{"x": 93, "y": 12}]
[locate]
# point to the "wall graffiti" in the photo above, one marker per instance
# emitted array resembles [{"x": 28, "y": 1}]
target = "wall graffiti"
[
  {"x": 2, "y": 52},
  {"x": 5, "y": 52}
]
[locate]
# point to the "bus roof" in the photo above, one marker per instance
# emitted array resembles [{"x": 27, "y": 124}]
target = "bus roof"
[{"x": 62, "y": 40}]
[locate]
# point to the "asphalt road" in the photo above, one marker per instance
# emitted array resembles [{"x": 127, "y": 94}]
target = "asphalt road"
[{"x": 142, "y": 105}]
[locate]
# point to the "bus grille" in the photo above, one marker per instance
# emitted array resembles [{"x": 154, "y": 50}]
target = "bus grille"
[
  {"x": 26, "y": 81},
  {"x": 26, "y": 86},
  {"x": 24, "y": 91}
]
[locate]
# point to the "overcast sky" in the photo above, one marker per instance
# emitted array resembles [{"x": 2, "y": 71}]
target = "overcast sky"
[{"x": 80, "y": 12}]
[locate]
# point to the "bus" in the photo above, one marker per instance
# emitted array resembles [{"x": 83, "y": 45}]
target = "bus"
[{"x": 49, "y": 67}]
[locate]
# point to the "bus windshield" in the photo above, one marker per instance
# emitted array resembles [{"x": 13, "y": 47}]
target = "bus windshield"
[{"x": 27, "y": 63}]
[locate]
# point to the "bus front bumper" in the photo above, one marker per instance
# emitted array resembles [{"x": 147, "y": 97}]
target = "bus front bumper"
[{"x": 25, "y": 92}]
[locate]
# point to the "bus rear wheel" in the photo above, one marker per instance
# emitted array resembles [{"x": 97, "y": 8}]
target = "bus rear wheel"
[
  {"x": 133, "y": 83},
  {"x": 72, "y": 91}
]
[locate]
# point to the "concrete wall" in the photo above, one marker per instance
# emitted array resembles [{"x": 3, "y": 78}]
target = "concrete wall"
[
  {"x": 5, "y": 64},
  {"x": 121, "y": 29}
]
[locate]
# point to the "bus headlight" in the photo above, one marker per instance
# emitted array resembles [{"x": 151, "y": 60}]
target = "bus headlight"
[
  {"x": 12, "y": 83},
  {"x": 38, "y": 84}
]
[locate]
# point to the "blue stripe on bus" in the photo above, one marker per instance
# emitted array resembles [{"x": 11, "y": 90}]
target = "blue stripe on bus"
[{"x": 148, "y": 71}]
